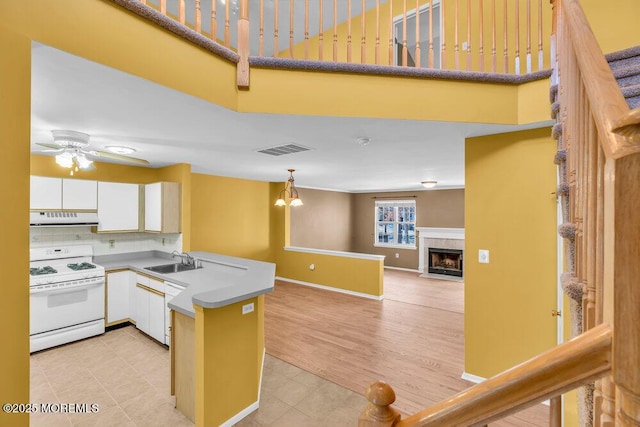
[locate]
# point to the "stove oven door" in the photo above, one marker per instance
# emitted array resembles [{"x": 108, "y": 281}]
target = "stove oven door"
[{"x": 53, "y": 309}]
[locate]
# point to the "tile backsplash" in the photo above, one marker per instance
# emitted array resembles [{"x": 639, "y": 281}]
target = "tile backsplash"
[{"x": 104, "y": 244}]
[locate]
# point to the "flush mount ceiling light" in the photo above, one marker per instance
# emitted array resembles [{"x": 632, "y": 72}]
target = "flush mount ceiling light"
[
  {"x": 119, "y": 149},
  {"x": 364, "y": 141},
  {"x": 429, "y": 184},
  {"x": 289, "y": 192}
]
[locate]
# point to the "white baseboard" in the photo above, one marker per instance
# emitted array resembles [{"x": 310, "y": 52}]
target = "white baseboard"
[
  {"x": 473, "y": 378},
  {"x": 329, "y": 288},
  {"x": 476, "y": 379},
  {"x": 240, "y": 415},
  {"x": 264, "y": 354},
  {"x": 402, "y": 269}
]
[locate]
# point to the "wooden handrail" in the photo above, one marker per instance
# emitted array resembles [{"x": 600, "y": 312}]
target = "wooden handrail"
[
  {"x": 607, "y": 103},
  {"x": 560, "y": 369}
]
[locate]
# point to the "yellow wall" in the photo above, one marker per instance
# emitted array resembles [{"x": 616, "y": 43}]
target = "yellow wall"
[
  {"x": 510, "y": 211},
  {"x": 615, "y": 24},
  {"x": 224, "y": 385},
  {"x": 15, "y": 87},
  {"x": 230, "y": 216}
]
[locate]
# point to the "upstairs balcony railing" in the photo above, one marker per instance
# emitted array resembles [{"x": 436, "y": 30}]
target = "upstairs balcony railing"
[{"x": 491, "y": 36}]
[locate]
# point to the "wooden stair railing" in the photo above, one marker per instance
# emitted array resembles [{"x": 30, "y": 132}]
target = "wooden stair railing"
[{"x": 562, "y": 368}]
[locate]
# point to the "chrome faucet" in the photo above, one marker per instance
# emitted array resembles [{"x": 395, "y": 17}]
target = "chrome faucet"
[{"x": 186, "y": 259}]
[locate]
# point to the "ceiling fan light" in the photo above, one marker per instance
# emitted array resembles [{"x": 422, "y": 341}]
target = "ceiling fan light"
[
  {"x": 83, "y": 162},
  {"x": 120, "y": 149},
  {"x": 65, "y": 159}
]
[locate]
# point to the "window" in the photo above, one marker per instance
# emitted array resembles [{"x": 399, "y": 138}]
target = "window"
[
  {"x": 396, "y": 223},
  {"x": 425, "y": 34}
]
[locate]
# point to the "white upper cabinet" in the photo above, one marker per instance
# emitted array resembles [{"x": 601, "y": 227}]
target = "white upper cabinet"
[
  {"x": 162, "y": 207},
  {"x": 79, "y": 194},
  {"x": 46, "y": 193},
  {"x": 118, "y": 206}
]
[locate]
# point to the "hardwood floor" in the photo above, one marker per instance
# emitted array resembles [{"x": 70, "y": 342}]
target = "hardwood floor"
[{"x": 413, "y": 339}]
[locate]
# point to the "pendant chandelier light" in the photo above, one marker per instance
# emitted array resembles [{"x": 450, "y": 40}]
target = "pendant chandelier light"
[{"x": 289, "y": 192}]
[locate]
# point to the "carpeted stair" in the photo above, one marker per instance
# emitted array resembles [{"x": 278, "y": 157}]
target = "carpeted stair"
[{"x": 625, "y": 65}]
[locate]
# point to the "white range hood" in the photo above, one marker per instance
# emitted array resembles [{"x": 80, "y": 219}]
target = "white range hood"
[{"x": 62, "y": 219}]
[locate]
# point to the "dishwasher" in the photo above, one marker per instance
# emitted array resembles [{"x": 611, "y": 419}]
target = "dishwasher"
[{"x": 170, "y": 291}]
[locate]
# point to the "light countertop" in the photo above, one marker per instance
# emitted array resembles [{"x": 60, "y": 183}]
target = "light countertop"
[{"x": 223, "y": 280}]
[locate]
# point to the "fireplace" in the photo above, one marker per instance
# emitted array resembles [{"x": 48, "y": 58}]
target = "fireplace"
[{"x": 445, "y": 261}]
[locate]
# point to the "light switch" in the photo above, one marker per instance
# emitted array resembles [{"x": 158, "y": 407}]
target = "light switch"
[{"x": 483, "y": 256}]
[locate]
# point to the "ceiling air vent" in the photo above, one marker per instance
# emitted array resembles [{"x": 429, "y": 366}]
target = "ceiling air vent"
[{"x": 284, "y": 149}]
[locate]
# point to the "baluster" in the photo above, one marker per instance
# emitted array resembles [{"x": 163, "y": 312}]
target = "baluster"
[
  {"x": 214, "y": 26},
  {"x": 243, "y": 45},
  {"x": 391, "y": 33},
  {"x": 276, "y": 20},
  {"x": 555, "y": 412},
  {"x": 540, "y": 54},
  {"x": 198, "y": 17},
  {"x": 591, "y": 217},
  {"x": 306, "y": 29},
  {"x": 320, "y": 33},
  {"x": 468, "y": 35},
  {"x": 227, "y": 31},
  {"x": 363, "y": 28},
  {"x": 291, "y": 28},
  {"x": 505, "y": 39},
  {"x": 335, "y": 31},
  {"x": 517, "y": 35},
  {"x": 494, "y": 61},
  {"x": 417, "y": 50},
  {"x": 608, "y": 406},
  {"x": 377, "y": 49},
  {"x": 261, "y": 37},
  {"x": 528, "y": 36},
  {"x": 181, "y": 12},
  {"x": 431, "y": 52},
  {"x": 481, "y": 43},
  {"x": 348, "y": 30},
  {"x": 163, "y": 7},
  {"x": 443, "y": 46},
  {"x": 404, "y": 33},
  {"x": 456, "y": 47}
]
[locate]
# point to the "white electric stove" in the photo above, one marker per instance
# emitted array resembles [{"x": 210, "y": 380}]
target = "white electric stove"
[{"x": 66, "y": 295}]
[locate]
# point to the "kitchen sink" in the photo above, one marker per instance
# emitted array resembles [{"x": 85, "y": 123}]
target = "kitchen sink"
[{"x": 172, "y": 268}]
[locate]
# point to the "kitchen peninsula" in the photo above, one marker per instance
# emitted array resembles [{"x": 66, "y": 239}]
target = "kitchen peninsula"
[{"x": 217, "y": 334}]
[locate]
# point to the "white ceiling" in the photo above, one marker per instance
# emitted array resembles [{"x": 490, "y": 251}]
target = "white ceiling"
[{"x": 168, "y": 127}]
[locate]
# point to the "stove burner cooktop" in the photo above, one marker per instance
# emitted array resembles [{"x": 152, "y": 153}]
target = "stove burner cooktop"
[
  {"x": 38, "y": 271},
  {"x": 81, "y": 266}
]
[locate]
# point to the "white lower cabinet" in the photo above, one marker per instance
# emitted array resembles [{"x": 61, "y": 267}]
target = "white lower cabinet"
[
  {"x": 119, "y": 302},
  {"x": 170, "y": 291},
  {"x": 150, "y": 307}
]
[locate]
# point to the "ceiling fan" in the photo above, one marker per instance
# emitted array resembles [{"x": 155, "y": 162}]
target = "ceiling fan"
[{"x": 72, "y": 147}]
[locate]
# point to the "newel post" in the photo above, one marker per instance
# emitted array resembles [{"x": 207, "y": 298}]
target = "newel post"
[
  {"x": 379, "y": 412},
  {"x": 243, "y": 45}
]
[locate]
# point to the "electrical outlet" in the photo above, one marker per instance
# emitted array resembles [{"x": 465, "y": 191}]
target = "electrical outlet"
[
  {"x": 247, "y": 308},
  {"x": 397, "y": 255},
  {"x": 465, "y": 46},
  {"x": 112, "y": 243},
  {"x": 483, "y": 256},
  {"x": 312, "y": 267}
]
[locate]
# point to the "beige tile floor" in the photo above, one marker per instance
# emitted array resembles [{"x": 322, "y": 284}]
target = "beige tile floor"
[{"x": 128, "y": 375}]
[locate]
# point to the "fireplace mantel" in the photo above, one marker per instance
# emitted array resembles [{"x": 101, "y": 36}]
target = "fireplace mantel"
[{"x": 425, "y": 233}]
